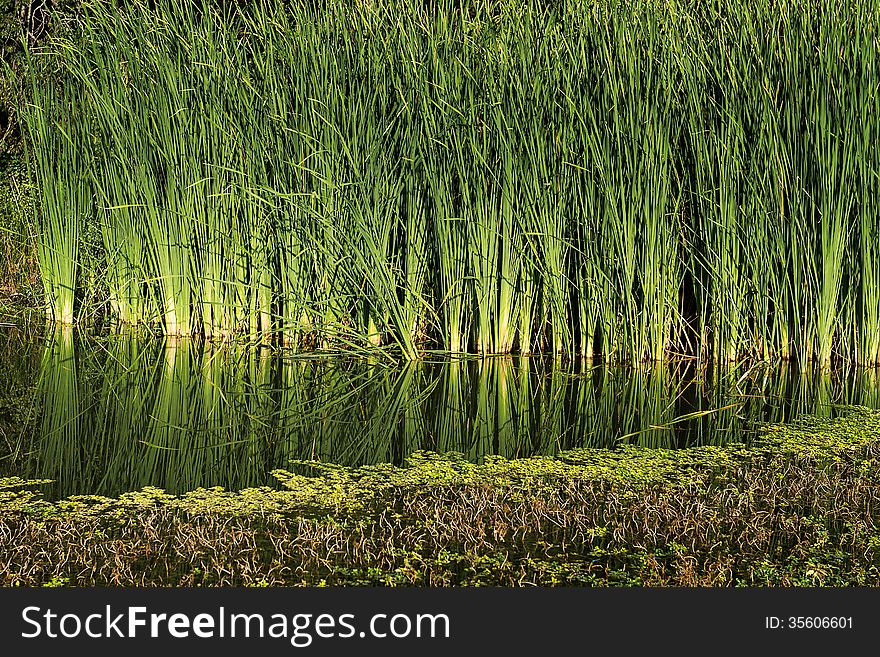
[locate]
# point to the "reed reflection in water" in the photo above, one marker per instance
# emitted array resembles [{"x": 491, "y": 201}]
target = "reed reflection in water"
[{"x": 121, "y": 413}]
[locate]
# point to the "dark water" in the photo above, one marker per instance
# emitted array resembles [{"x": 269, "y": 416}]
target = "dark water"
[{"x": 114, "y": 414}]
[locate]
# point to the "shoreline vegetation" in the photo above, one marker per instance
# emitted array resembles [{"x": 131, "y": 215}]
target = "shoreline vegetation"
[
  {"x": 629, "y": 180},
  {"x": 802, "y": 509}
]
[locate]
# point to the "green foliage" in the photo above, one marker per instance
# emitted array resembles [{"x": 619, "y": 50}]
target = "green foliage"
[
  {"x": 20, "y": 285},
  {"x": 23, "y": 25},
  {"x": 629, "y": 179}
]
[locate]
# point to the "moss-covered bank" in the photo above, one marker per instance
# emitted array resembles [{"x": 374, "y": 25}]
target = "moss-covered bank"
[{"x": 800, "y": 510}]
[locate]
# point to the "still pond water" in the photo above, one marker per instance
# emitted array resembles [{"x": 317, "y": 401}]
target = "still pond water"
[{"x": 102, "y": 416}]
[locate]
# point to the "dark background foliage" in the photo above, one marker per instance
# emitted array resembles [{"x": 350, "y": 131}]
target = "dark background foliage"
[{"x": 19, "y": 20}]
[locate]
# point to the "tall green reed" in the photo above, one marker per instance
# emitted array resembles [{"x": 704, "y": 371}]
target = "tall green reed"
[{"x": 587, "y": 178}]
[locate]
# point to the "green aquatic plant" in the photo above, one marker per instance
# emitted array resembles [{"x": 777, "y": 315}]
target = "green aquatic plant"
[
  {"x": 60, "y": 165},
  {"x": 605, "y": 178}
]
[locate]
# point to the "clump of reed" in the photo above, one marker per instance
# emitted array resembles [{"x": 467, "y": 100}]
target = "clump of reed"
[{"x": 595, "y": 177}]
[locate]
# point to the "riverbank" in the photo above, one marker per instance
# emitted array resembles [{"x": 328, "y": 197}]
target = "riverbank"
[{"x": 799, "y": 510}]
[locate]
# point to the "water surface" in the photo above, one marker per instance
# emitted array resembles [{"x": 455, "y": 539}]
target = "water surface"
[{"x": 102, "y": 416}]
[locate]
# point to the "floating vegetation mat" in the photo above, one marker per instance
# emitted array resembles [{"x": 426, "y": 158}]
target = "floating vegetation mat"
[{"x": 800, "y": 509}]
